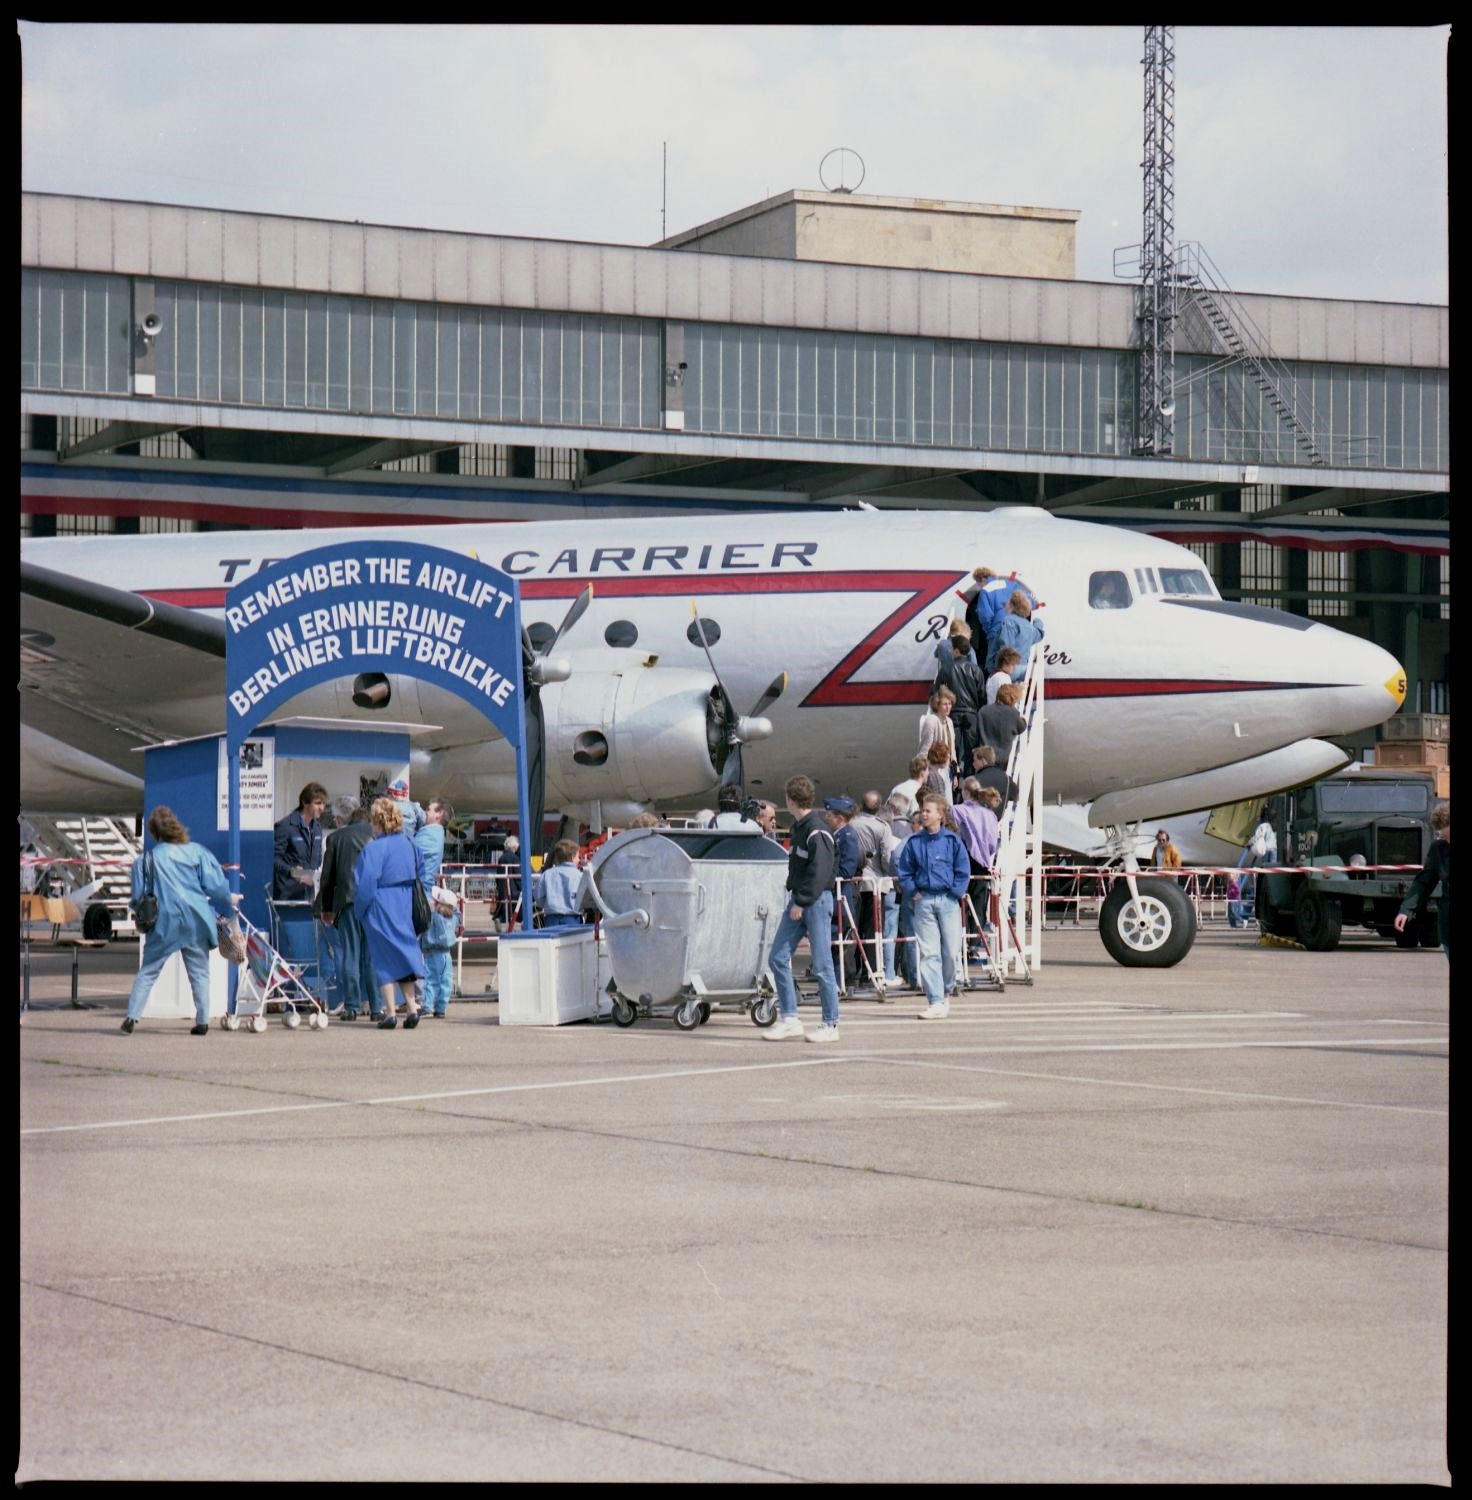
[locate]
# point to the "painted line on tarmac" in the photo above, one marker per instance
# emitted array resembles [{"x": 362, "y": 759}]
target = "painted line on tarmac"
[
  {"x": 1168, "y": 1088},
  {"x": 507, "y": 1088},
  {"x": 1048, "y": 1045},
  {"x": 1120, "y": 1018}
]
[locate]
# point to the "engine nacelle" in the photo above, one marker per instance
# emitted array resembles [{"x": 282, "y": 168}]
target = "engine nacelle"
[
  {"x": 627, "y": 730},
  {"x": 620, "y": 730}
]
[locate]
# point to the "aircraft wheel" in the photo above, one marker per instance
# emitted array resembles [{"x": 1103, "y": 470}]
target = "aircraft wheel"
[
  {"x": 1152, "y": 931},
  {"x": 687, "y": 1015},
  {"x": 764, "y": 1012},
  {"x": 97, "y": 924},
  {"x": 1317, "y": 920}
]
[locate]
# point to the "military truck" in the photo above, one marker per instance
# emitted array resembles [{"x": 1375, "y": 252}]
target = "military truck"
[{"x": 1362, "y": 815}]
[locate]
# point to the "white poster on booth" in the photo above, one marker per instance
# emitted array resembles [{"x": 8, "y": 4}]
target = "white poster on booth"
[{"x": 257, "y": 787}]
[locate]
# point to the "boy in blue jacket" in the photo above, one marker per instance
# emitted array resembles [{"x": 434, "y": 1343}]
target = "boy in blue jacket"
[{"x": 933, "y": 872}]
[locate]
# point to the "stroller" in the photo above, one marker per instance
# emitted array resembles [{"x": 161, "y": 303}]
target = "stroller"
[{"x": 267, "y": 979}]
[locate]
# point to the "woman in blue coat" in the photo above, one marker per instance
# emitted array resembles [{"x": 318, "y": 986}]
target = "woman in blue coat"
[
  {"x": 1016, "y": 628},
  {"x": 386, "y": 873},
  {"x": 190, "y": 888}
]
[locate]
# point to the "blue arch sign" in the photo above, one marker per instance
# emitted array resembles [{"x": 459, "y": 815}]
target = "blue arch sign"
[{"x": 395, "y": 607}]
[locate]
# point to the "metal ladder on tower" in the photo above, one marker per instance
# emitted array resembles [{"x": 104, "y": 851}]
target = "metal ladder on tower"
[{"x": 1202, "y": 285}]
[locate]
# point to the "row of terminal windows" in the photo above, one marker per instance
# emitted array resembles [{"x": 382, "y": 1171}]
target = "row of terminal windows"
[
  {"x": 313, "y": 351},
  {"x": 871, "y": 388}
]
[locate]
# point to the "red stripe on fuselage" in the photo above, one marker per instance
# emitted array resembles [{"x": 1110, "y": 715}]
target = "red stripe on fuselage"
[{"x": 1154, "y": 687}]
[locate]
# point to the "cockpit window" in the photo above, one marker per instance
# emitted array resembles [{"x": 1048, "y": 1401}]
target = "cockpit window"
[
  {"x": 1109, "y": 590},
  {"x": 1185, "y": 583}
]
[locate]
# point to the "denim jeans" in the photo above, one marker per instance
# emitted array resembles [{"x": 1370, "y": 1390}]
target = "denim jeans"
[
  {"x": 891, "y": 931},
  {"x": 561, "y": 919},
  {"x": 437, "y": 980},
  {"x": 357, "y": 983},
  {"x": 906, "y": 950},
  {"x": 938, "y": 937},
  {"x": 817, "y": 923},
  {"x": 196, "y": 965}
]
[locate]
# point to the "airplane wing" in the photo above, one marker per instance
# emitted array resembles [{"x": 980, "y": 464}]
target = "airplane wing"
[{"x": 103, "y": 671}]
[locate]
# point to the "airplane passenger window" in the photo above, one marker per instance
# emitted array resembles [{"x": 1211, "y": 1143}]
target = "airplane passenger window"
[
  {"x": 1191, "y": 582},
  {"x": 621, "y": 633},
  {"x": 711, "y": 630},
  {"x": 1109, "y": 590}
]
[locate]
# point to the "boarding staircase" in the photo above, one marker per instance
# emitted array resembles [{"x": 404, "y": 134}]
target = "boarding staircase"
[
  {"x": 1201, "y": 286},
  {"x": 97, "y": 854},
  {"x": 1016, "y": 950}
]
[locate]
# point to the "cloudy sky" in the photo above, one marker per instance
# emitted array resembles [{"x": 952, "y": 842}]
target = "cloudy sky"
[{"x": 1309, "y": 160}]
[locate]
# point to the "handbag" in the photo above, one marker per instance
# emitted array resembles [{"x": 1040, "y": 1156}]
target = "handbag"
[
  {"x": 145, "y": 914},
  {"x": 421, "y": 911},
  {"x": 232, "y": 940}
]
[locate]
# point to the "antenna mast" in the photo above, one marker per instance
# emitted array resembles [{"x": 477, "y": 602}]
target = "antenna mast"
[{"x": 1155, "y": 410}]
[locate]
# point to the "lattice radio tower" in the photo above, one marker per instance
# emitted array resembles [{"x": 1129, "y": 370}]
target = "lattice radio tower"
[{"x": 1155, "y": 412}]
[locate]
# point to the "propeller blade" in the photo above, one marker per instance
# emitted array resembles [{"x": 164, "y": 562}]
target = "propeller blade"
[
  {"x": 536, "y": 773},
  {"x": 705, "y": 646},
  {"x": 578, "y": 609},
  {"x": 774, "y": 691},
  {"x": 731, "y": 771}
]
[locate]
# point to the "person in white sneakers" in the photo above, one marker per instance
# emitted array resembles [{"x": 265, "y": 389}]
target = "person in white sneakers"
[
  {"x": 811, "y": 867},
  {"x": 933, "y": 871}
]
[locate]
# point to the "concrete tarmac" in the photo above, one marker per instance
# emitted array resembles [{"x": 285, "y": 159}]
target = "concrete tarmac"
[{"x": 1176, "y": 1226}]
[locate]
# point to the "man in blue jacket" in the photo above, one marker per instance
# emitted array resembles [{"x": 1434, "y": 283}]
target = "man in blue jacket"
[
  {"x": 933, "y": 873},
  {"x": 298, "y": 847},
  {"x": 810, "y": 870}
]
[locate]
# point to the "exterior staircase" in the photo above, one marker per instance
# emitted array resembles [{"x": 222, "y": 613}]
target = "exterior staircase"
[
  {"x": 1200, "y": 284},
  {"x": 99, "y": 854}
]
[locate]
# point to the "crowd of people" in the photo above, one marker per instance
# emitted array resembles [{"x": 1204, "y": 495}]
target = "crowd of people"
[{"x": 359, "y": 877}]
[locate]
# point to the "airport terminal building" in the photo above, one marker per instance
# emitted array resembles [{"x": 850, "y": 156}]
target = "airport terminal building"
[{"x": 186, "y": 368}]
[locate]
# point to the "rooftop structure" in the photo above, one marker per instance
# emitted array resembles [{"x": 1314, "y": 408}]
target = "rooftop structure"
[{"x": 917, "y": 234}]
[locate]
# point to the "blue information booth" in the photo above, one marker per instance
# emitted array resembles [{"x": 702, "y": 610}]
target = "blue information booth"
[{"x": 277, "y": 760}]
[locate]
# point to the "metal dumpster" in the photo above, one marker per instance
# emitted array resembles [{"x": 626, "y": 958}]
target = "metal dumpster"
[{"x": 689, "y": 916}]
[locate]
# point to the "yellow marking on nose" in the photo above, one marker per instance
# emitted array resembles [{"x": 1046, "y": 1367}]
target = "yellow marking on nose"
[{"x": 1395, "y": 685}]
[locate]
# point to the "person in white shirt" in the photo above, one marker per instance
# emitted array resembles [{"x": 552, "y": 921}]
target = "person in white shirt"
[
  {"x": 1008, "y": 664},
  {"x": 728, "y": 801},
  {"x": 910, "y": 789},
  {"x": 936, "y": 725}
]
